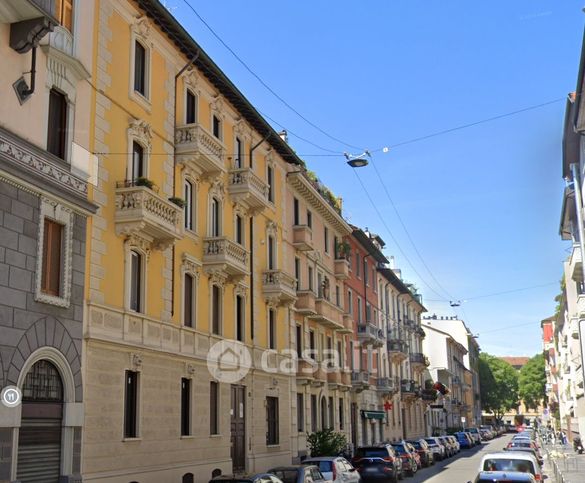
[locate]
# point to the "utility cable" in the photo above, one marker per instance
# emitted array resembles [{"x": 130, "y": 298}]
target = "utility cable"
[{"x": 495, "y": 294}]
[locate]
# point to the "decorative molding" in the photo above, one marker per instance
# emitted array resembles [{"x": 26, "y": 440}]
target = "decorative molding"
[
  {"x": 134, "y": 240},
  {"x": 190, "y": 368},
  {"x": 271, "y": 228},
  {"x": 141, "y": 131},
  {"x": 39, "y": 164},
  {"x": 241, "y": 289},
  {"x": 192, "y": 80},
  {"x": 135, "y": 360},
  {"x": 55, "y": 211},
  {"x": 217, "y": 106},
  {"x": 141, "y": 28},
  {"x": 217, "y": 277},
  {"x": 191, "y": 265}
]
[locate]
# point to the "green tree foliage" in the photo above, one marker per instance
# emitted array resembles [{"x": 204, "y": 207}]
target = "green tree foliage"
[
  {"x": 326, "y": 443},
  {"x": 498, "y": 382},
  {"x": 531, "y": 383}
]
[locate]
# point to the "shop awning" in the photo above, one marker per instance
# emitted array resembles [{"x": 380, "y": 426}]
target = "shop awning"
[{"x": 374, "y": 414}]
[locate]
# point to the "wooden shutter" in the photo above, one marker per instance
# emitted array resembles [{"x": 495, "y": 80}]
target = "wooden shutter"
[{"x": 52, "y": 249}]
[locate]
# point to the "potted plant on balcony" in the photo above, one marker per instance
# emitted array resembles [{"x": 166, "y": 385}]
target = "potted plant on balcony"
[
  {"x": 343, "y": 249},
  {"x": 143, "y": 181},
  {"x": 180, "y": 202}
]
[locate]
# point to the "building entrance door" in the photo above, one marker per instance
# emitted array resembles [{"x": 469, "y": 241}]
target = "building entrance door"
[{"x": 238, "y": 429}]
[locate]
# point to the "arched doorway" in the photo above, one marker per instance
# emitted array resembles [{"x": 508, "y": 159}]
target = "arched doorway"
[{"x": 39, "y": 440}]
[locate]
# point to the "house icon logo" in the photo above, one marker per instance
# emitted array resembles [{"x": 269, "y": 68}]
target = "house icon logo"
[{"x": 228, "y": 361}]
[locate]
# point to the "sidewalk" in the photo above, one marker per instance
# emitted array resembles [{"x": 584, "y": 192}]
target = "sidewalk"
[{"x": 563, "y": 465}]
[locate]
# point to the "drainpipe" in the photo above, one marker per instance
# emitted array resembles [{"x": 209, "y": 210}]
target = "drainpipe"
[
  {"x": 185, "y": 67},
  {"x": 576, "y": 180},
  {"x": 33, "y": 72},
  {"x": 252, "y": 149}
]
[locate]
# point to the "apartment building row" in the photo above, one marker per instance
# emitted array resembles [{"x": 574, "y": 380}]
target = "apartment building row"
[
  {"x": 562, "y": 333},
  {"x": 149, "y": 216}
]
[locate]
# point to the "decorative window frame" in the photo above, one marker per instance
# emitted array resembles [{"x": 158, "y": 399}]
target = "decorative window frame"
[
  {"x": 272, "y": 165},
  {"x": 190, "y": 266},
  {"x": 134, "y": 365},
  {"x": 191, "y": 83},
  {"x": 143, "y": 247},
  {"x": 216, "y": 108},
  {"x": 192, "y": 177},
  {"x": 140, "y": 31},
  {"x": 240, "y": 290},
  {"x": 141, "y": 132},
  {"x": 272, "y": 231},
  {"x": 216, "y": 191},
  {"x": 217, "y": 279},
  {"x": 240, "y": 211},
  {"x": 61, "y": 214}
]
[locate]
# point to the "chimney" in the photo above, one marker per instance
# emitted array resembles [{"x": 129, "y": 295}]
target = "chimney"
[
  {"x": 283, "y": 135},
  {"x": 391, "y": 263}
]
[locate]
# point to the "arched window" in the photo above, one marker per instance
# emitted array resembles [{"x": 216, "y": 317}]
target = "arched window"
[{"x": 188, "y": 478}]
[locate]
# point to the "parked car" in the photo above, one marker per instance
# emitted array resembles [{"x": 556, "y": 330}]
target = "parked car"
[
  {"x": 255, "y": 478},
  {"x": 450, "y": 446},
  {"x": 465, "y": 441},
  {"x": 298, "y": 474},
  {"x": 409, "y": 458},
  {"x": 511, "y": 461},
  {"x": 438, "y": 449},
  {"x": 486, "y": 434},
  {"x": 474, "y": 432},
  {"x": 423, "y": 450},
  {"x": 455, "y": 442},
  {"x": 528, "y": 450},
  {"x": 376, "y": 463},
  {"x": 503, "y": 477},
  {"x": 335, "y": 469}
]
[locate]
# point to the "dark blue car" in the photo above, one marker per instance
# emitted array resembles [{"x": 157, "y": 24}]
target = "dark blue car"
[{"x": 464, "y": 440}]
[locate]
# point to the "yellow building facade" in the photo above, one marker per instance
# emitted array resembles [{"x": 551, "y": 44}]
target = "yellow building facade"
[{"x": 186, "y": 257}]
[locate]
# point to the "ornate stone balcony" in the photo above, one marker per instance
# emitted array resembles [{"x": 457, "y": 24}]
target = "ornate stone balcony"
[
  {"x": 320, "y": 376},
  {"x": 278, "y": 285},
  {"x": 397, "y": 349},
  {"x": 333, "y": 378},
  {"x": 341, "y": 269},
  {"x": 360, "y": 380},
  {"x": 199, "y": 150},
  {"x": 248, "y": 189},
  {"x": 140, "y": 211},
  {"x": 345, "y": 381},
  {"x": 302, "y": 238},
  {"x": 418, "y": 360},
  {"x": 305, "y": 303},
  {"x": 328, "y": 314},
  {"x": 347, "y": 323},
  {"x": 224, "y": 255},
  {"x": 409, "y": 389},
  {"x": 369, "y": 334},
  {"x": 387, "y": 385}
]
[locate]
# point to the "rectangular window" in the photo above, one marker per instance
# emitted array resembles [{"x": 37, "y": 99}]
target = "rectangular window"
[
  {"x": 138, "y": 170},
  {"x": 239, "y": 230},
  {"x": 272, "y": 329},
  {"x": 300, "y": 413},
  {"x": 357, "y": 265},
  {"x": 336, "y": 248},
  {"x": 309, "y": 219},
  {"x": 366, "y": 279},
  {"x": 340, "y": 360},
  {"x": 340, "y": 414},
  {"x": 239, "y": 162},
  {"x": 313, "y": 413},
  {"x": 131, "y": 405},
  {"x": 52, "y": 255},
  {"x": 213, "y": 408},
  {"x": 271, "y": 261},
  {"x": 135, "y": 281},
  {"x": 326, "y": 239},
  {"x": 188, "y": 210},
  {"x": 217, "y": 127},
  {"x": 296, "y": 216},
  {"x": 272, "y": 420},
  {"x": 57, "y": 124},
  {"x": 64, "y": 13},
  {"x": 331, "y": 413},
  {"x": 240, "y": 307},
  {"x": 337, "y": 296},
  {"x": 215, "y": 217},
  {"x": 298, "y": 272},
  {"x": 215, "y": 310},
  {"x": 310, "y": 270},
  {"x": 139, "y": 68},
  {"x": 349, "y": 302},
  {"x": 299, "y": 341},
  {"x": 368, "y": 313},
  {"x": 359, "y": 310},
  {"x": 191, "y": 108},
  {"x": 188, "y": 304},
  {"x": 185, "y": 407},
  {"x": 270, "y": 182},
  {"x": 312, "y": 344}
]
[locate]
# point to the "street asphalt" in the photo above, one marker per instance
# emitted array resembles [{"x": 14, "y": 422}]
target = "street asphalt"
[{"x": 461, "y": 468}]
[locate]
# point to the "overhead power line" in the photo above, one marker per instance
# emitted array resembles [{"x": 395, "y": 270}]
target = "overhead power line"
[{"x": 495, "y": 294}]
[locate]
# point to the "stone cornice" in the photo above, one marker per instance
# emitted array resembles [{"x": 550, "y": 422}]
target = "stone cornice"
[{"x": 302, "y": 186}]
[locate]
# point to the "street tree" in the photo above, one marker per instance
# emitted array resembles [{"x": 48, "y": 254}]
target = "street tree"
[
  {"x": 498, "y": 382},
  {"x": 531, "y": 382}
]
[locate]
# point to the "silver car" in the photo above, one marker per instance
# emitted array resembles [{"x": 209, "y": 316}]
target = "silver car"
[{"x": 335, "y": 468}]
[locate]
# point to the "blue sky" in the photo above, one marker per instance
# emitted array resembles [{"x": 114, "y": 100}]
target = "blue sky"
[{"x": 483, "y": 203}]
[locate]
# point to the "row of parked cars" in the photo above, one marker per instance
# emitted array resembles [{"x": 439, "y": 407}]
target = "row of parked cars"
[
  {"x": 387, "y": 462},
  {"x": 520, "y": 461}
]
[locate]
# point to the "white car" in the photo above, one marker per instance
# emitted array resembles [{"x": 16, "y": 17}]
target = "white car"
[
  {"x": 335, "y": 468},
  {"x": 518, "y": 461},
  {"x": 438, "y": 450}
]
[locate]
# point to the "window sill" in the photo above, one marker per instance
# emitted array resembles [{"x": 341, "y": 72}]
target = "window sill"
[
  {"x": 214, "y": 436},
  {"x": 129, "y": 440},
  {"x": 141, "y": 99},
  {"x": 273, "y": 445},
  {"x": 188, "y": 436}
]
